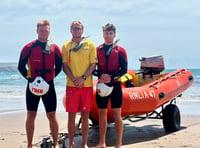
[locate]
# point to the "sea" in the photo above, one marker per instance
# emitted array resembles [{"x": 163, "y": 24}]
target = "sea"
[{"x": 13, "y": 86}]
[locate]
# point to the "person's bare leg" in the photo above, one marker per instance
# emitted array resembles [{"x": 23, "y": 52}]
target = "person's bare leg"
[
  {"x": 118, "y": 126},
  {"x": 53, "y": 124},
  {"x": 84, "y": 128},
  {"x": 71, "y": 128},
  {"x": 102, "y": 127},
  {"x": 30, "y": 126}
]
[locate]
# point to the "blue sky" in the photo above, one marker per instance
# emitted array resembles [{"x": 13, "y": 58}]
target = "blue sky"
[{"x": 170, "y": 28}]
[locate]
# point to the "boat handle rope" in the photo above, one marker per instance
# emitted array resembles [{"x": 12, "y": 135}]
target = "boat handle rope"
[{"x": 173, "y": 76}]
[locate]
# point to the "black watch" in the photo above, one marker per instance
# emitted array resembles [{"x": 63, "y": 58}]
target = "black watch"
[{"x": 83, "y": 77}]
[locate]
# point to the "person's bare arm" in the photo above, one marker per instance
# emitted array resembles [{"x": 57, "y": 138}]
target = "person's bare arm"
[{"x": 68, "y": 72}]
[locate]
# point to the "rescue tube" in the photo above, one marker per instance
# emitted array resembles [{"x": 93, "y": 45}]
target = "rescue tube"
[{"x": 150, "y": 92}]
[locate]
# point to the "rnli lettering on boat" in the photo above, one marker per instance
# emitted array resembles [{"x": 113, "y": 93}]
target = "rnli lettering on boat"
[
  {"x": 142, "y": 94},
  {"x": 37, "y": 90}
]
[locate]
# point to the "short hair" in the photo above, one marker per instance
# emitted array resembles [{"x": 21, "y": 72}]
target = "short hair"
[
  {"x": 43, "y": 23},
  {"x": 74, "y": 23},
  {"x": 109, "y": 27}
]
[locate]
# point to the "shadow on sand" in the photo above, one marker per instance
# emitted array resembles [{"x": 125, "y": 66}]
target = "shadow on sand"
[{"x": 131, "y": 134}]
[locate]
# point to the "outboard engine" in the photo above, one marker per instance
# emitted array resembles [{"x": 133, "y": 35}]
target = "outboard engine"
[{"x": 151, "y": 65}]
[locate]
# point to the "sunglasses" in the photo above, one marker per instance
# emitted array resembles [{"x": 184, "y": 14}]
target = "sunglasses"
[{"x": 77, "y": 28}]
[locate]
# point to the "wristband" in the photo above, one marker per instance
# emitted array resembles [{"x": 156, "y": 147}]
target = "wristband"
[{"x": 83, "y": 77}]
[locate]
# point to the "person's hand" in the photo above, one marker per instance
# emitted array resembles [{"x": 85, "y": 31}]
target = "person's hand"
[
  {"x": 105, "y": 78},
  {"x": 101, "y": 81},
  {"x": 79, "y": 82}
]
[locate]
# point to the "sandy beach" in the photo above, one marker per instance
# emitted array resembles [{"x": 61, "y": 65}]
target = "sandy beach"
[
  {"x": 147, "y": 133},
  {"x": 13, "y": 134}
]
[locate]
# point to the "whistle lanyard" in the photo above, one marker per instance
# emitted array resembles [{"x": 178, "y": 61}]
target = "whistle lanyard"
[{"x": 70, "y": 50}]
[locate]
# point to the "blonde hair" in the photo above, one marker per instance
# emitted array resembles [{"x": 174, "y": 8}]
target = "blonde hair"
[
  {"x": 43, "y": 23},
  {"x": 75, "y": 23}
]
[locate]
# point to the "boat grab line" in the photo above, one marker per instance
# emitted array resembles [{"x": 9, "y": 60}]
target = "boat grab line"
[{"x": 173, "y": 76}]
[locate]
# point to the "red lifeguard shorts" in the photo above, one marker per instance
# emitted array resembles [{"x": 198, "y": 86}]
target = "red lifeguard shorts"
[{"x": 78, "y": 99}]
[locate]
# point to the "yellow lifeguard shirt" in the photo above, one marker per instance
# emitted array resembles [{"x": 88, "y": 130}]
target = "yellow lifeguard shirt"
[{"x": 79, "y": 61}]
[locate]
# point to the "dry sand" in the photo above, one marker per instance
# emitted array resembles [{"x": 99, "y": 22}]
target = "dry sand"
[
  {"x": 147, "y": 133},
  {"x": 12, "y": 129}
]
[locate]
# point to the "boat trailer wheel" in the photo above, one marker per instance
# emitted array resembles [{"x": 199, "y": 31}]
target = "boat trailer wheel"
[{"x": 171, "y": 118}]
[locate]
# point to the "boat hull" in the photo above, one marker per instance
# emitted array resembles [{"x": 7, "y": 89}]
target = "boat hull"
[{"x": 149, "y": 97}]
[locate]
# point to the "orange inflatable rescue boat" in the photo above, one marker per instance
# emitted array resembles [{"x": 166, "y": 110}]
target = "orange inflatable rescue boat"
[
  {"x": 146, "y": 91},
  {"x": 149, "y": 94}
]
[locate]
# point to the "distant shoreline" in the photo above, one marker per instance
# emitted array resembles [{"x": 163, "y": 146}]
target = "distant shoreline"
[
  {"x": 10, "y": 63},
  {"x": 4, "y": 67}
]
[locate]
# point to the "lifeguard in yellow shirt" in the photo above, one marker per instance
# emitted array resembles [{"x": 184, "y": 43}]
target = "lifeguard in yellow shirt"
[{"x": 79, "y": 61}]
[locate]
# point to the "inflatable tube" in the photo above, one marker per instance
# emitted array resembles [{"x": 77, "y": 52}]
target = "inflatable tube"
[{"x": 147, "y": 96}]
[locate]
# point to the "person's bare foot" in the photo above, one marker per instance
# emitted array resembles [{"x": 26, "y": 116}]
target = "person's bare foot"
[
  {"x": 85, "y": 146},
  {"x": 117, "y": 146},
  {"x": 100, "y": 146},
  {"x": 70, "y": 146}
]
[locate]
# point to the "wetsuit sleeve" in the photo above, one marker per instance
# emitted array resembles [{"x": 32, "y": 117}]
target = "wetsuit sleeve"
[
  {"x": 23, "y": 61},
  {"x": 97, "y": 73},
  {"x": 58, "y": 61},
  {"x": 123, "y": 64},
  {"x": 22, "y": 67}
]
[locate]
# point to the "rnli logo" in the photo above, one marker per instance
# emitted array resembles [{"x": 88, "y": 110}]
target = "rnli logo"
[{"x": 39, "y": 91}]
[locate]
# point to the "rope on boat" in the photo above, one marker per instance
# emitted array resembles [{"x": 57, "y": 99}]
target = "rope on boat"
[{"x": 173, "y": 76}]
